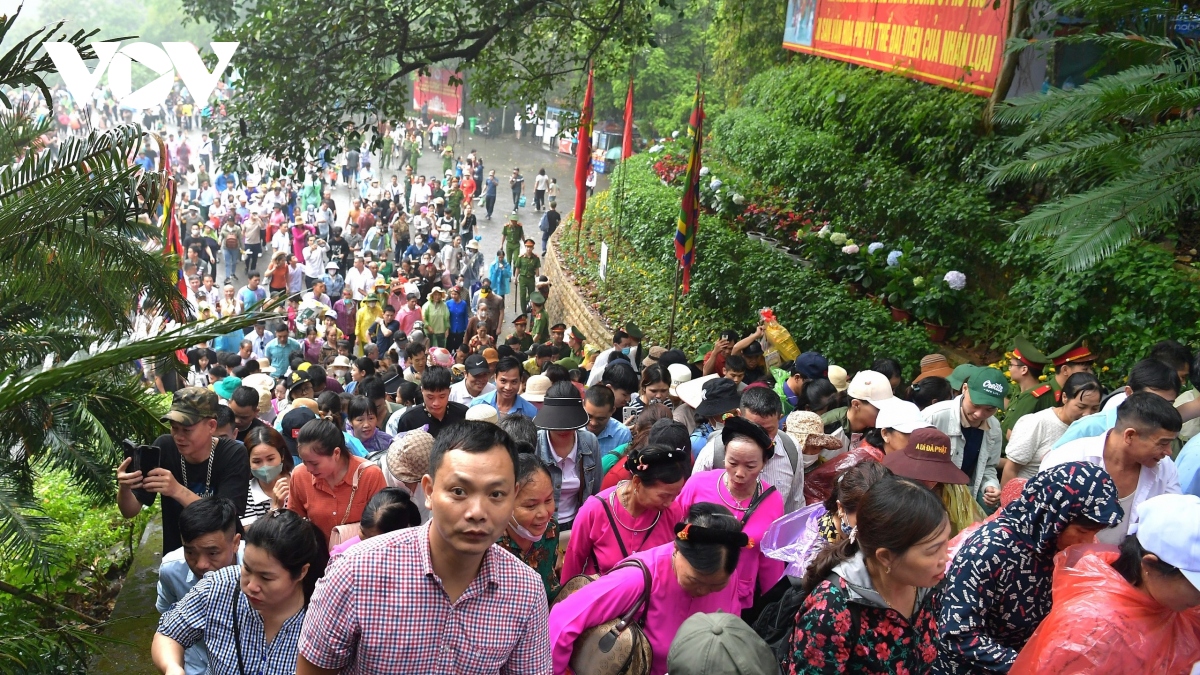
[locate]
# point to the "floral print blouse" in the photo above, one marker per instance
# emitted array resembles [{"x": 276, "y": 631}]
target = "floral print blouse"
[
  {"x": 542, "y": 556},
  {"x": 837, "y": 634}
]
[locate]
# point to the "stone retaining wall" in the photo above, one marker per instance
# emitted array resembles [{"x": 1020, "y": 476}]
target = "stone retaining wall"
[{"x": 567, "y": 305}]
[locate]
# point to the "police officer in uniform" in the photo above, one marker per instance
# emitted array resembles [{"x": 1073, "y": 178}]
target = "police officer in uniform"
[
  {"x": 1074, "y": 358},
  {"x": 1025, "y": 368}
]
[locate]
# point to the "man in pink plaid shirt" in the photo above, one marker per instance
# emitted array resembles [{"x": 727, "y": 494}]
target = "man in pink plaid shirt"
[{"x": 439, "y": 599}]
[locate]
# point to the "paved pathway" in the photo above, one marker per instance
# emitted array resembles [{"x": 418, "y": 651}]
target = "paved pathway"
[{"x": 498, "y": 154}]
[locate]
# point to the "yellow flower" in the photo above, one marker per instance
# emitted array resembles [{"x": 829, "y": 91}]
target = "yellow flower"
[
  {"x": 1104, "y": 369},
  {"x": 1008, "y": 374},
  {"x": 1041, "y": 378}
]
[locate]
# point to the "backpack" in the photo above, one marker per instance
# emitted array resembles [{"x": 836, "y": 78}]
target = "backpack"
[
  {"x": 778, "y": 619},
  {"x": 789, "y": 447}
]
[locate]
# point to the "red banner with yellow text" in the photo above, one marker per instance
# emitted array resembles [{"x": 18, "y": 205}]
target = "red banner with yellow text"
[{"x": 952, "y": 43}]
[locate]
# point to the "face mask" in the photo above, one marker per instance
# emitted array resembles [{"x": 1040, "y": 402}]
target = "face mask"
[
  {"x": 266, "y": 474},
  {"x": 524, "y": 533},
  {"x": 809, "y": 460},
  {"x": 625, "y": 351},
  {"x": 846, "y": 528}
]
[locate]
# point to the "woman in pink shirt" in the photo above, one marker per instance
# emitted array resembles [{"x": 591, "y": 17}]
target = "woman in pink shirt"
[
  {"x": 639, "y": 513},
  {"x": 692, "y": 575},
  {"x": 300, "y": 232},
  {"x": 753, "y": 502}
]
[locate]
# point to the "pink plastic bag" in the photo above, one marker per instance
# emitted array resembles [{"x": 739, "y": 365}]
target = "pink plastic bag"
[{"x": 1103, "y": 624}]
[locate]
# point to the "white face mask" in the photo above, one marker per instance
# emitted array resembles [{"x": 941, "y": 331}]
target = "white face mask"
[
  {"x": 524, "y": 533},
  {"x": 809, "y": 460}
]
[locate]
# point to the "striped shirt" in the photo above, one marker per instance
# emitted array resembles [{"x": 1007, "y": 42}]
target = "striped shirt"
[
  {"x": 206, "y": 613},
  {"x": 381, "y": 609}
]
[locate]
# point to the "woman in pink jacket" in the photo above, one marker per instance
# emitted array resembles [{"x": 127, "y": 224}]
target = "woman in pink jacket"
[
  {"x": 692, "y": 575},
  {"x": 756, "y": 504},
  {"x": 637, "y": 514}
]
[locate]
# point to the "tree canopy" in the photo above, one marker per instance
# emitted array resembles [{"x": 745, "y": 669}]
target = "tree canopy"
[{"x": 312, "y": 71}]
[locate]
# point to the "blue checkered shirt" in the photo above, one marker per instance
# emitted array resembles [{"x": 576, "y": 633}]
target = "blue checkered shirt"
[{"x": 206, "y": 613}]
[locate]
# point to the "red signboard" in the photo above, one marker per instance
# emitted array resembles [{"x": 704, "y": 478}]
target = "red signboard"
[
  {"x": 952, "y": 43},
  {"x": 444, "y": 99}
]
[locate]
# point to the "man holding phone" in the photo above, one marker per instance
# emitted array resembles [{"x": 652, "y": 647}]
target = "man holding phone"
[{"x": 190, "y": 462}]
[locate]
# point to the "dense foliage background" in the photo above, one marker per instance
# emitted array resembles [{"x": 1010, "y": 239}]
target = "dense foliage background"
[{"x": 876, "y": 159}]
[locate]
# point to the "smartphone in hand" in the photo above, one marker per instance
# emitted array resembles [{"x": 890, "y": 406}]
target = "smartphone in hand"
[
  {"x": 149, "y": 457},
  {"x": 627, "y": 413}
]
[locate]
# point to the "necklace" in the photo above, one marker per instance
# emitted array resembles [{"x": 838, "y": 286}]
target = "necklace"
[
  {"x": 721, "y": 483},
  {"x": 208, "y": 478},
  {"x": 613, "y": 506}
]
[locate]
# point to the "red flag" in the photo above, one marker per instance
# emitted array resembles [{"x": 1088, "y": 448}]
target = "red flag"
[
  {"x": 689, "y": 209},
  {"x": 583, "y": 153},
  {"x": 627, "y": 138}
]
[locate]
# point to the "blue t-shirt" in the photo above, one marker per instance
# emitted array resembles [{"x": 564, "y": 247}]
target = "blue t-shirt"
[
  {"x": 491, "y": 187},
  {"x": 1187, "y": 464},
  {"x": 974, "y": 438},
  {"x": 281, "y": 354},
  {"x": 1096, "y": 424}
]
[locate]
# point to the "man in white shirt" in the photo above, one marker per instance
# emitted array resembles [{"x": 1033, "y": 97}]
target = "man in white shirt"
[
  {"x": 420, "y": 195},
  {"x": 206, "y": 150},
  {"x": 295, "y": 275},
  {"x": 359, "y": 279},
  {"x": 762, "y": 407},
  {"x": 259, "y": 339},
  {"x": 316, "y": 254},
  {"x": 620, "y": 340},
  {"x": 1136, "y": 453},
  {"x": 476, "y": 383}
]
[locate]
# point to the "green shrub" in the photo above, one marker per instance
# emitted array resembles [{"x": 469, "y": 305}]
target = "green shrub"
[
  {"x": 881, "y": 159},
  {"x": 732, "y": 279}
]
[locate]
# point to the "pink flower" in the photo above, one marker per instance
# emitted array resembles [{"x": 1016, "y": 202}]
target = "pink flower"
[{"x": 850, "y": 249}]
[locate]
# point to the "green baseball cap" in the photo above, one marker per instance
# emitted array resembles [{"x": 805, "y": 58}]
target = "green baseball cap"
[
  {"x": 960, "y": 374},
  {"x": 190, "y": 405},
  {"x": 569, "y": 362},
  {"x": 987, "y": 386}
]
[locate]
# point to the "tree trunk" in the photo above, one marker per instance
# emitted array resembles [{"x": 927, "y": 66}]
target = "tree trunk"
[{"x": 1017, "y": 24}]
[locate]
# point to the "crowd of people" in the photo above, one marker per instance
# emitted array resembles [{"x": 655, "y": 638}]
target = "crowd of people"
[{"x": 379, "y": 480}]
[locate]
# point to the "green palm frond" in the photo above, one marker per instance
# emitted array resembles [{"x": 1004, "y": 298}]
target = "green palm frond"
[
  {"x": 16, "y": 387},
  {"x": 21, "y": 129},
  {"x": 22, "y": 532},
  {"x": 30, "y": 648},
  {"x": 1138, "y": 94},
  {"x": 1118, "y": 153},
  {"x": 19, "y": 68},
  {"x": 1093, "y": 224},
  {"x": 73, "y": 231}
]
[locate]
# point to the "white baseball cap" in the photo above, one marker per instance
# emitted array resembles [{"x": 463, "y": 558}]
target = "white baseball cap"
[
  {"x": 679, "y": 374},
  {"x": 1169, "y": 527},
  {"x": 872, "y": 387},
  {"x": 902, "y": 416}
]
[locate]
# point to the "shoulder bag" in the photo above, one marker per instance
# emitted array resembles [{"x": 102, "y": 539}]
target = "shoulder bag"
[
  {"x": 344, "y": 532},
  {"x": 617, "y": 647}
]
